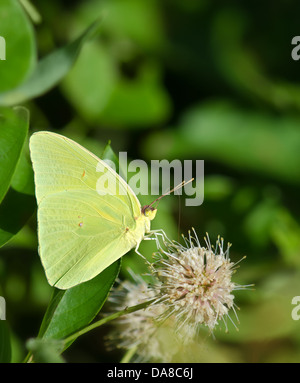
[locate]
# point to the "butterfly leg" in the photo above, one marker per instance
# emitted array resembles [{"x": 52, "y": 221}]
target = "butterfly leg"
[
  {"x": 150, "y": 237},
  {"x": 141, "y": 255},
  {"x": 158, "y": 234},
  {"x": 137, "y": 251}
]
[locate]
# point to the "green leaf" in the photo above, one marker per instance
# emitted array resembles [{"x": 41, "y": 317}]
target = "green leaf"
[
  {"x": 109, "y": 154},
  {"x": 19, "y": 203},
  {"x": 13, "y": 131},
  {"x": 138, "y": 23},
  {"x": 5, "y": 345},
  {"x": 247, "y": 141},
  {"x": 70, "y": 310},
  {"x": 15, "y": 211},
  {"x": 260, "y": 220},
  {"x": 249, "y": 77},
  {"x": 31, "y": 11},
  {"x": 50, "y": 70},
  {"x": 20, "y": 47},
  {"x": 93, "y": 75},
  {"x": 23, "y": 179},
  {"x": 110, "y": 97},
  {"x": 138, "y": 103},
  {"x": 285, "y": 232},
  {"x": 218, "y": 187}
]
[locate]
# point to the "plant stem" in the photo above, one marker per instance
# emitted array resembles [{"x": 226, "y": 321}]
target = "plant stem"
[
  {"x": 32, "y": 11},
  {"x": 107, "y": 319},
  {"x": 99, "y": 323},
  {"x": 28, "y": 357},
  {"x": 128, "y": 355}
]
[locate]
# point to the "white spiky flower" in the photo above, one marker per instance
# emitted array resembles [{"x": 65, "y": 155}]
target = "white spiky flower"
[
  {"x": 140, "y": 330},
  {"x": 192, "y": 286},
  {"x": 195, "y": 283}
]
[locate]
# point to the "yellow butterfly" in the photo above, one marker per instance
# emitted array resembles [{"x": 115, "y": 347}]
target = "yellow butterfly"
[{"x": 81, "y": 230}]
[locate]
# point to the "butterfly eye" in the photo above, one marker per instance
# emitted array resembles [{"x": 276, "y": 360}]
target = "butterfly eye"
[{"x": 150, "y": 212}]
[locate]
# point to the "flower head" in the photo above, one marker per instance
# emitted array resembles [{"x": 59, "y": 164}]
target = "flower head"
[
  {"x": 140, "y": 330},
  {"x": 195, "y": 283},
  {"x": 192, "y": 286}
]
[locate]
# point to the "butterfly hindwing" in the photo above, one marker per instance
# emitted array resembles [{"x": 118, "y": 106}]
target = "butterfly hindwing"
[{"x": 80, "y": 232}]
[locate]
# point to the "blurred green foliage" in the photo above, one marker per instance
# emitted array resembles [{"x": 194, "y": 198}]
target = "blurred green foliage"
[
  {"x": 16, "y": 27},
  {"x": 163, "y": 79}
]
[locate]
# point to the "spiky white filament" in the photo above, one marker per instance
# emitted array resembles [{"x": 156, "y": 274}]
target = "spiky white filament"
[{"x": 195, "y": 282}]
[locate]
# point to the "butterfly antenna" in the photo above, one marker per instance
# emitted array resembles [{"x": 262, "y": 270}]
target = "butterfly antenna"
[{"x": 183, "y": 183}]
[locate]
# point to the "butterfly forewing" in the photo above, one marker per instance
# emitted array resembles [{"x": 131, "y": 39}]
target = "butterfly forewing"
[{"x": 80, "y": 231}]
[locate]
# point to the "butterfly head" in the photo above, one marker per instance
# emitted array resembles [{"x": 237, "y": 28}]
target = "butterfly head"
[{"x": 149, "y": 212}]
